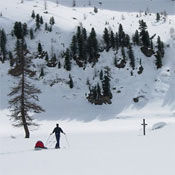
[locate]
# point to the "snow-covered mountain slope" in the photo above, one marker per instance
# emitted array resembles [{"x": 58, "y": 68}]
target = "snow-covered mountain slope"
[
  {"x": 111, "y": 140},
  {"x": 60, "y": 102}
]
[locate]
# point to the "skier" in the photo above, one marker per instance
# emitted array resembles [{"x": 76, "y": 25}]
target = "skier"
[{"x": 57, "y": 130}]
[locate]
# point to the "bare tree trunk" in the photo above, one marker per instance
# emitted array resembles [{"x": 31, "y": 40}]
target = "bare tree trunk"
[
  {"x": 23, "y": 113},
  {"x": 27, "y": 134}
]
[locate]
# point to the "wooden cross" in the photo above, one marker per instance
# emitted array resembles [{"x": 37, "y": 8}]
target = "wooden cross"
[{"x": 144, "y": 127}]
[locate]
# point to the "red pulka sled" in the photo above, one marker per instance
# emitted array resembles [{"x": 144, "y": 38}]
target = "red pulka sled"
[{"x": 39, "y": 145}]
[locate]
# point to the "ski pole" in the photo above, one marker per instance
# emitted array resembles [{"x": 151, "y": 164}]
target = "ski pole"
[
  {"x": 67, "y": 140},
  {"x": 51, "y": 141},
  {"x": 47, "y": 140}
]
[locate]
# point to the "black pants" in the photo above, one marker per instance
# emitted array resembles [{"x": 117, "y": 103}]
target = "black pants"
[{"x": 58, "y": 141}]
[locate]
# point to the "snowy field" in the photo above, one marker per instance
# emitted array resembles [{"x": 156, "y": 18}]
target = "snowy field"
[{"x": 106, "y": 148}]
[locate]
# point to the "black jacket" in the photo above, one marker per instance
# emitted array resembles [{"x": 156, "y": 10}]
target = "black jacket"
[{"x": 57, "y": 131}]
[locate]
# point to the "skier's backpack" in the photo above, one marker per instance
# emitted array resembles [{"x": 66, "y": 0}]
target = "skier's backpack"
[{"x": 39, "y": 145}]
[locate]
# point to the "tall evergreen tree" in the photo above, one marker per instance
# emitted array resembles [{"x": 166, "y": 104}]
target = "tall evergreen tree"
[
  {"x": 51, "y": 62},
  {"x": 98, "y": 91},
  {"x": 144, "y": 35},
  {"x": 17, "y": 52},
  {"x": 93, "y": 91},
  {"x": 52, "y": 21},
  {"x": 160, "y": 46},
  {"x": 50, "y": 28},
  {"x": 25, "y": 30},
  {"x": 136, "y": 39},
  {"x": 33, "y": 14},
  {"x": 95, "y": 10},
  {"x": 80, "y": 45},
  {"x": 92, "y": 46},
  {"x": 59, "y": 65},
  {"x": 71, "y": 83},
  {"x": 31, "y": 34},
  {"x": 84, "y": 36},
  {"x": 42, "y": 72},
  {"x": 126, "y": 40},
  {"x": 11, "y": 59},
  {"x": 67, "y": 63},
  {"x": 151, "y": 44},
  {"x": 25, "y": 94},
  {"x": 158, "y": 59},
  {"x": 37, "y": 21},
  {"x": 157, "y": 17},
  {"x": 41, "y": 20},
  {"x": 18, "y": 30},
  {"x": 146, "y": 39},
  {"x": 84, "y": 33},
  {"x": 47, "y": 57},
  {"x": 3, "y": 41},
  {"x": 123, "y": 53},
  {"x": 46, "y": 26},
  {"x": 81, "y": 37},
  {"x": 78, "y": 33},
  {"x": 121, "y": 35},
  {"x": 142, "y": 25},
  {"x": 106, "y": 39},
  {"x": 106, "y": 84},
  {"x": 73, "y": 47},
  {"x": 112, "y": 40},
  {"x": 101, "y": 75},
  {"x": 54, "y": 60},
  {"x": 116, "y": 41},
  {"x": 131, "y": 57},
  {"x": 40, "y": 48}
]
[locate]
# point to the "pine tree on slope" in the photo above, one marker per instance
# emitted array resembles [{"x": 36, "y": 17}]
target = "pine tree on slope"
[{"x": 25, "y": 94}]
